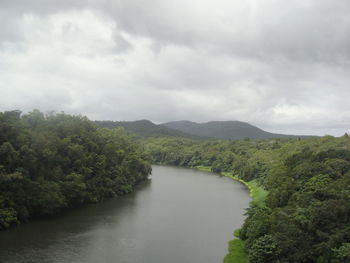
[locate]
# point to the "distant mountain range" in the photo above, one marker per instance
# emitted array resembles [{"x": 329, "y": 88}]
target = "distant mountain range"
[
  {"x": 143, "y": 128},
  {"x": 226, "y": 130},
  {"x": 214, "y": 129}
]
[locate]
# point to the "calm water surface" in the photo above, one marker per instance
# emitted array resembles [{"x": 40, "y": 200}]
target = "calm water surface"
[{"x": 179, "y": 216}]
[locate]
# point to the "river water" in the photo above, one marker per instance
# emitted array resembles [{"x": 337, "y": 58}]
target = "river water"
[{"x": 178, "y": 216}]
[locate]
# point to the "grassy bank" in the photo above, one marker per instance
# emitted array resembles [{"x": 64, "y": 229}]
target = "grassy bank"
[
  {"x": 256, "y": 192},
  {"x": 203, "y": 168},
  {"x": 236, "y": 251}
]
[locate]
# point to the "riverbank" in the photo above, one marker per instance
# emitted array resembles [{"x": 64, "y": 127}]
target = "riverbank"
[
  {"x": 256, "y": 192},
  {"x": 159, "y": 216},
  {"x": 236, "y": 250}
]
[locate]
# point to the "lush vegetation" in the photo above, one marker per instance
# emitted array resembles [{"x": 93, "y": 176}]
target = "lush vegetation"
[
  {"x": 237, "y": 253},
  {"x": 306, "y": 214},
  {"x": 301, "y": 188},
  {"x": 49, "y": 163}
]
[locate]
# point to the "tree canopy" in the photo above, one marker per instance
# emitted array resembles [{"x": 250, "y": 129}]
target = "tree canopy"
[{"x": 57, "y": 161}]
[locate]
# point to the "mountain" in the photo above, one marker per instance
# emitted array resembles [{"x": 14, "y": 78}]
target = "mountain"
[
  {"x": 225, "y": 130},
  {"x": 144, "y": 128},
  {"x": 214, "y": 129}
]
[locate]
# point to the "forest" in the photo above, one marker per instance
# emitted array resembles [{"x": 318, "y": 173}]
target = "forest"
[
  {"x": 305, "y": 216},
  {"x": 52, "y": 162},
  {"x": 57, "y": 161}
]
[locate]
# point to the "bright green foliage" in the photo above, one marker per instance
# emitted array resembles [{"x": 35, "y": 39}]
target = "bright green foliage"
[
  {"x": 237, "y": 253},
  {"x": 257, "y": 192},
  {"x": 204, "y": 168},
  {"x": 49, "y": 163},
  {"x": 342, "y": 253},
  {"x": 8, "y": 217}
]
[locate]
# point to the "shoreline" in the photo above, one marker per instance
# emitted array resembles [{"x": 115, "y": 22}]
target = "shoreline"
[
  {"x": 236, "y": 251},
  {"x": 256, "y": 192}
]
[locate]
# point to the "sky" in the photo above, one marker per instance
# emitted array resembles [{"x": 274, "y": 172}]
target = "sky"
[{"x": 283, "y": 66}]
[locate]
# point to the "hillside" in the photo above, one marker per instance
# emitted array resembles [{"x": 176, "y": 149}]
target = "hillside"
[
  {"x": 225, "y": 130},
  {"x": 143, "y": 128}
]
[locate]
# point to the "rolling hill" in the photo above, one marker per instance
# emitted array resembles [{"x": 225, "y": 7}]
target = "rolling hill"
[
  {"x": 225, "y": 130},
  {"x": 233, "y": 130},
  {"x": 144, "y": 128}
]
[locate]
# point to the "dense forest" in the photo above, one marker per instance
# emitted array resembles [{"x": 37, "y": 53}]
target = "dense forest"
[
  {"x": 52, "y": 162},
  {"x": 57, "y": 161},
  {"x": 306, "y": 215}
]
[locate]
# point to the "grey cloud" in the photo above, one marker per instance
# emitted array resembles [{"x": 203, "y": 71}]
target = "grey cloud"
[
  {"x": 281, "y": 65},
  {"x": 316, "y": 30}
]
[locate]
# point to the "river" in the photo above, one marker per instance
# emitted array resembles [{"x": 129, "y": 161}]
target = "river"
[{"x": 179, "y": 216}]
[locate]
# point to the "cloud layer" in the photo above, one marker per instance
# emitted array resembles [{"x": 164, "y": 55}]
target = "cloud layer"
[{"x": 283, "y": 66}]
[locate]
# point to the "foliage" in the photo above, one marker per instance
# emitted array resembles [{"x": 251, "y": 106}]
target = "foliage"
[
  {"x": 237, "y": 252},
  {"x": 264, "y": 249},
  {"x": 49, "y": 163},
  {"x": 304, "y": 214}
]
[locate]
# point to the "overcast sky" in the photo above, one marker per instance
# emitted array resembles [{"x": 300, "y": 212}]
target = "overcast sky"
[{"x": 281, "y": 65}]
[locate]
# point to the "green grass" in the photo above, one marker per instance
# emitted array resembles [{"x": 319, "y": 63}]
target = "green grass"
[
  {"x": 237, "y": 253},
  {"x": 257, "y": 193},
  {"x": 203, "y": 168}
]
